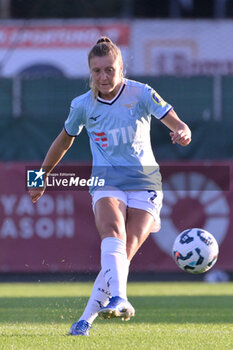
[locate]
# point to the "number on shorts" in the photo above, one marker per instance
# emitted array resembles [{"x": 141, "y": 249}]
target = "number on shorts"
[{"x": 154, "y": 195}]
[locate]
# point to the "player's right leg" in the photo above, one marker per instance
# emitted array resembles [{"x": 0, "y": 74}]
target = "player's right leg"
[
  {"x": 110, "y": 217},
  {"x": 142, "y": 217},
  {"x": 99, "y": 297}
]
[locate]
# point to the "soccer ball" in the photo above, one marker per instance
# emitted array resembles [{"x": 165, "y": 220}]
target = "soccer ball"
[{"x": 195, "y": 250}]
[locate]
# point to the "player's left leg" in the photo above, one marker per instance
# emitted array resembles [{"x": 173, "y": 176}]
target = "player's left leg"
[
  {"x": 139, "y": 225},
  {"x": 143, "y": 217}
]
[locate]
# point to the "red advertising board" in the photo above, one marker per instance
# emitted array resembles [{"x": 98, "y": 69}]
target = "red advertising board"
[
  {"x": 63, "y": 45},
  {"x": 58, "y": 234},
  {"x": 61, "y": 36}
]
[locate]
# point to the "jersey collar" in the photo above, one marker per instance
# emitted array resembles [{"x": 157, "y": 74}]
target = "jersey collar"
[{"x": 110, "y": 102}]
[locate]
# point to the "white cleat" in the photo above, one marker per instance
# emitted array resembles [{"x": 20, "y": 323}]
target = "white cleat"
[{"x": 117, "y": 307}]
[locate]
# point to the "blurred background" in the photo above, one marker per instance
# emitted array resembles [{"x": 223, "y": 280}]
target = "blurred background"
[{"x": 184, "y": 50}]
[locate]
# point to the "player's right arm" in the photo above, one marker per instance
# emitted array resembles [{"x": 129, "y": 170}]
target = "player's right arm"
[{"x": 55, "y": 153}]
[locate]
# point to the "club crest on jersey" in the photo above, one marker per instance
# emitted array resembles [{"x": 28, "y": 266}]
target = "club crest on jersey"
[
  {"x": 157, "y": 99},
  {"x": 130, "y": 105}
]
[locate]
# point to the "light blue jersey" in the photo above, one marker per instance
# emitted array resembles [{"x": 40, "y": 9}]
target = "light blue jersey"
[{"x": 119, "y": 132}]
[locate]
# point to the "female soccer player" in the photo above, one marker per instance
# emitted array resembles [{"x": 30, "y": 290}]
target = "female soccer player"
[{"x": 117, "y": 113}]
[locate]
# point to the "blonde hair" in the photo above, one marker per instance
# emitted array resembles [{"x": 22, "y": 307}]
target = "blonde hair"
[{"x": 103, "y": 47}]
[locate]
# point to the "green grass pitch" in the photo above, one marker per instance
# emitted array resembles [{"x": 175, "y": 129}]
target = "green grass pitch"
[{"x": 184, "y": 316}]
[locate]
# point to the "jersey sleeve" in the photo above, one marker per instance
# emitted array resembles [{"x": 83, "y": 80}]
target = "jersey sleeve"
[
  {"x": 76, "y": 118},
  {"x": 154, "y": 103}
]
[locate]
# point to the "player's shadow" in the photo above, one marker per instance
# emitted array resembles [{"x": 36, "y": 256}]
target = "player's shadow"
[{"x": 149, "y": 309}]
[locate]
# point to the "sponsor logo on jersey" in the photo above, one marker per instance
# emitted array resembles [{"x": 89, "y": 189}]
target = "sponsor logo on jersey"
[
  {"x": 101, "y": 138},
  {"x": 119, "y": 135}
]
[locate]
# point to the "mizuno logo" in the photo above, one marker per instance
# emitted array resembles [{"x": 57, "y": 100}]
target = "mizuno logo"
[{"x": 95, "y": 118}]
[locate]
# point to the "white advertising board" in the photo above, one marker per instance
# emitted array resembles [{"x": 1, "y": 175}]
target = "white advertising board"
[{"x": 187, "y": 47}]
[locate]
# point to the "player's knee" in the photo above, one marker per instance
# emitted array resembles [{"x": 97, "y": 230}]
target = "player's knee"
[{"x": 156, "y": 228}]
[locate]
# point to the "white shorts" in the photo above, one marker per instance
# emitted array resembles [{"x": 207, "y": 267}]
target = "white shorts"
[{"x": 150, "y": 201}]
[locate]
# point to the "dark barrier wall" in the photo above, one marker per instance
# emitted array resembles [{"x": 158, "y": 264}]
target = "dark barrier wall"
[
  {"x": 196, "y": 98},
  {"x": 58, "y": 232},
  {"x": 33, "y": 112}
]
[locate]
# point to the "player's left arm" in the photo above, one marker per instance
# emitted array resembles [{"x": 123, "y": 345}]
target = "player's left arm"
[{"x": 181, "y": 133}]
